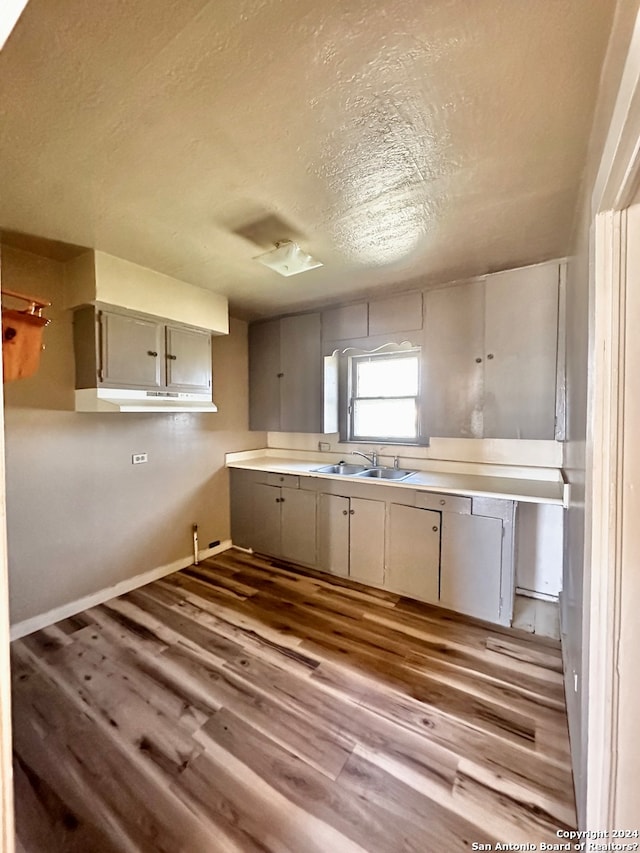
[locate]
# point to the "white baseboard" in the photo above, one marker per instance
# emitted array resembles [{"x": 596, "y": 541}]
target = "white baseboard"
[{"x": 43, "y": 620}]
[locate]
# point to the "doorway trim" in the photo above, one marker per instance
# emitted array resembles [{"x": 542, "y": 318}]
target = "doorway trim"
[{"x": 614, "y": 189}]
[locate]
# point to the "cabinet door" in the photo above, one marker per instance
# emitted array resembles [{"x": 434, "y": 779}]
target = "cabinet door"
[
  {"x": 345, "y": 322},
  {"x": 400, "y": 313},
  {"x": 298, "y": 515},
  {"x": 521, "y": 330},
  {"x": 333, "y": 534},
  {"x": 470, "y": 579},
  {"x": 301, "y": 366},
  {"x": 366, "y": 541},
  {"x": 188, "y": 359},
  {"x": 453, "y": 361},
  {"x": 413, "y": 563},
  {"x": 243, "y": 519},
  {"x": 264, "y": 379},
  {"x": 265, "y": 536},
  {"x": 131, "y": 351}
]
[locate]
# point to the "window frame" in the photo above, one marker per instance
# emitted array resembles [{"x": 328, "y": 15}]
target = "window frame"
[{"x": 353, "y": 360}]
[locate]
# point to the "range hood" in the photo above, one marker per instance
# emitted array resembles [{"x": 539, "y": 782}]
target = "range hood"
[{"x": 128, "y": 400}]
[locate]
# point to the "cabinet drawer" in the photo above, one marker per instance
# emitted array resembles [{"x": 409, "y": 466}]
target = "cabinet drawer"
[
  {"x": 443, "y": 503},
  {"x": 291, "y": 481}
]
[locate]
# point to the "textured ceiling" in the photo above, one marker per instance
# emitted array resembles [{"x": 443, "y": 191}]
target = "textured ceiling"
[{"x": 402, "y": 140}]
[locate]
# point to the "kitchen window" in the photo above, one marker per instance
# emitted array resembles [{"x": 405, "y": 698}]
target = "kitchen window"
[{"x": 384, "y": 396}]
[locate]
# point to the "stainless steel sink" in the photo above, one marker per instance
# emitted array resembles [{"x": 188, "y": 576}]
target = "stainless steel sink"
[
  {"x": 385, "y": 473},
  {"x": 343, "y": 468}
]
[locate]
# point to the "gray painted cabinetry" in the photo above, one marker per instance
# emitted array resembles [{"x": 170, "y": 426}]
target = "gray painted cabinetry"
[
  {"x": 272, "y": 515},
  {"x": 413, "y": 552},
  {"x": 115, "y": 348},
  {"x": 451, "y": 550},
  {"x": 286, "y": 375},
  {"x": 471, "y": 543},
  {"x": 188, "y": 358},
  {"x": 351, "y": 537},
  {"x": 491, "y": 356}
]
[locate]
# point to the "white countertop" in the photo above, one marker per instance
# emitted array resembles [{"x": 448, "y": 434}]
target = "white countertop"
[{"x": 510, "y": 482}]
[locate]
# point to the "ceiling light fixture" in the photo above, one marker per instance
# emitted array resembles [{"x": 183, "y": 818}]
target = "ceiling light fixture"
[{"x": 288, "y": 259}]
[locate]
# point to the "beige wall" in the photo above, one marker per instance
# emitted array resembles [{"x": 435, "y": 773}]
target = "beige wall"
[
  {"x": 80, "y": 516},
  {"x": 577, "y": 571}
]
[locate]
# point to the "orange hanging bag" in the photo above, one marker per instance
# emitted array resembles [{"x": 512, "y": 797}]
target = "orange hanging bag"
[{"x": 22, "y": 337}]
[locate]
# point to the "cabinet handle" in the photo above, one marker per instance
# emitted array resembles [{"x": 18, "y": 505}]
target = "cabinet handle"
[
  {"x": 280, "y": 375},
  {"x": 277, "y": 500},
  {"x": 442, "y": 502},
  {"x": 478, "y": 361},
  {"x": 434, "y": 528},
  {"x": 281, "y": 500},
  {"x": 345, "y": 512},
  {"x": 352, "y": 512},
  {"x": 282, "y": 479},
  {"x": 172, "y": 357},
  {"x": 490, "y": 356},
  {"x": 152, "y": 353}
]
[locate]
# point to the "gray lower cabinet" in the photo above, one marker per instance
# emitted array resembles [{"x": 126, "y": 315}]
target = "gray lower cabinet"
[
  {"x": 472, "y": 560},
  {"x": 413, "y": 552},
  {"x": 286, "y": 375},
  {"x": 275, "y": 520},
  {"x": 266, "y": 536},
  {"x": 298, "y": 525},
  {"x": 441, "y": 552},
  {"x": 351, "y": 537}
]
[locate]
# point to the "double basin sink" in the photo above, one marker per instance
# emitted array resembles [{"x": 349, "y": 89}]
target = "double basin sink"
[{"x": 377, "y": 473}]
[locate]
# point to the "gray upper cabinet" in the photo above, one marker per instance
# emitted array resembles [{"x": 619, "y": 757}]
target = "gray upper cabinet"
[
  {"x": 301, "y": 365},
  {"x": 491, "y": 356},
  {"x": 453, "y": 356},
  {"x": 521, "y": 347},
  {"x": 115, "y": 348},
  {"x": 131, "y": 350},
  {"x": 400, "y": 313},
  {"x": 264, "y": 376},
  {"x": 188, "y": 354},
  {"x": 345, "y": 322},
  {"x": 286, "y": 375}
]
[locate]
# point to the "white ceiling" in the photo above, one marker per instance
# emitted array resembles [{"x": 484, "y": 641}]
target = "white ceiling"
[{"x": 402, "y": 140}]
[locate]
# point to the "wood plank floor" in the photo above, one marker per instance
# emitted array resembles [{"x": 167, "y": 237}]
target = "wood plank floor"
[{"x": 249, "y": 705}]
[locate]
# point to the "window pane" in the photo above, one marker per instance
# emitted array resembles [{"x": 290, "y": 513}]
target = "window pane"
[
  {"x": 387, "y": 377},
  {"x": 385, "y": 418}
]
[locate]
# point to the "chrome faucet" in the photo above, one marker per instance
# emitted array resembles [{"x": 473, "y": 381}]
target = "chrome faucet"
[{"x": 372, "y": 459}]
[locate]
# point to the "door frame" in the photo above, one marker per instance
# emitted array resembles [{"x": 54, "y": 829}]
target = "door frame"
[
  {"x": 614, "y": 189},
  {"x": 7, "y": 828}
]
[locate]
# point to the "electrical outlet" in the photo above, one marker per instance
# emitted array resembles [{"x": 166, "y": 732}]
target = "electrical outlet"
[
  {"x": 324, "y": 446},
  {"x": 139, "y": 458}
]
